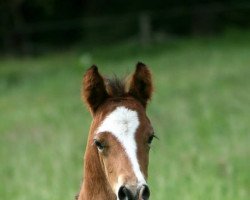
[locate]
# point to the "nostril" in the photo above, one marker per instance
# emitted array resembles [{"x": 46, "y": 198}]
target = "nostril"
[
  {"x": 124, "y": 194},
  {"x": 145, "y": 192}
]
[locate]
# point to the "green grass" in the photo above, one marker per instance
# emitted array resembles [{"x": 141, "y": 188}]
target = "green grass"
[{"x": 200, "y": 112}]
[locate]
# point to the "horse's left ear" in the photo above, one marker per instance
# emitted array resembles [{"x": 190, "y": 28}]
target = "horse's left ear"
[{"x": 141, "y": 86}]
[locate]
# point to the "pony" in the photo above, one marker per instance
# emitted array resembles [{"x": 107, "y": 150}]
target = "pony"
[{"x": 117, "y": 152}]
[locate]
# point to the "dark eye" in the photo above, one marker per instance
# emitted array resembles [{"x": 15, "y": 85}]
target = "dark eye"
[
  {"x": 100, "y": 146},
  {"x": 150, "y": 139}
]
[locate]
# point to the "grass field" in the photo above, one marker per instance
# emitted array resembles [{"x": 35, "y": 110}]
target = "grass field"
[{"x": 200, "y": 112}]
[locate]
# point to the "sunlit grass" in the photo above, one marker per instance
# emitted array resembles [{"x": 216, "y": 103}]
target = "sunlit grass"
[{"x": 200, "y": 112}]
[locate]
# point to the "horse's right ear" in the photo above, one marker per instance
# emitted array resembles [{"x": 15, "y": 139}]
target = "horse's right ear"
[{"x": 94, "y": 92}]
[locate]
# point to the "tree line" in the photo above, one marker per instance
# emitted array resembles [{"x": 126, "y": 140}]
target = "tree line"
[{"x": 25, "y": 23}]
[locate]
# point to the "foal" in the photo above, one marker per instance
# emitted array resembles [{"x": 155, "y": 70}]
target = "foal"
[{"x": 116, "y": 156}]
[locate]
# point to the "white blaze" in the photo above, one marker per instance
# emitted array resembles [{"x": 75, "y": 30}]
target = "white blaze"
[{"x": 123, "y": 123}]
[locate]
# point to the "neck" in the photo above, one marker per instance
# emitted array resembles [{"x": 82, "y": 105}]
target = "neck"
[{"x": 95, "y": 185}]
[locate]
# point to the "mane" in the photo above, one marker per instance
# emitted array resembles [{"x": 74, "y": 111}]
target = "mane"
[{"x": 115, "y": 86}]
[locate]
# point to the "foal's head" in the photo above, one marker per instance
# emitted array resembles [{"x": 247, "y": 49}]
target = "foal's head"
[{"x": 121, "y": 133}]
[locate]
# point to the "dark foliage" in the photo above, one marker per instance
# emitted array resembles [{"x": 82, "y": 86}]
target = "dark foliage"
[{"x": 50, "y": 23}]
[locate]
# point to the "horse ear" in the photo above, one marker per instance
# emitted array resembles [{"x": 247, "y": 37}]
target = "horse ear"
[
  {"x": 94, "y": 92},
  {"x": 141, "y": 86}
]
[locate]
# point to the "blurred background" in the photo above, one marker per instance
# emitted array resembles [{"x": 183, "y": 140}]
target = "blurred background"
[
  {"x": 35, "y": 26},
  {"x": 199, "y": 55}
]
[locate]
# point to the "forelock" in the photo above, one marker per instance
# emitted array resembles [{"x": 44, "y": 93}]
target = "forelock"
[{"x": 115, "y": 87}]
